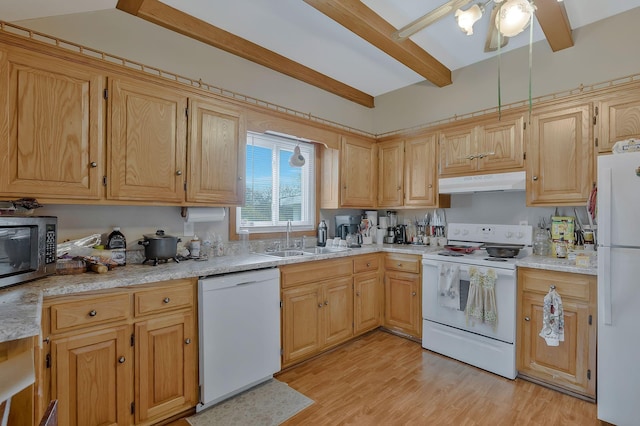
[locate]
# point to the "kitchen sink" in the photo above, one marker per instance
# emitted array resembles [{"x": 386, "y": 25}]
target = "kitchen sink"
[
  {"x": 324, "y": 250},
  {"x": 286, "y": 253}
]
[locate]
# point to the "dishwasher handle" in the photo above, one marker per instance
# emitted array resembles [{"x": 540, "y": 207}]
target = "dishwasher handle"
[{"x": 239, "y": 279}]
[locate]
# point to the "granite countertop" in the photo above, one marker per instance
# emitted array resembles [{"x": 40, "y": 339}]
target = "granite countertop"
[{"x": 21, "y": 306}]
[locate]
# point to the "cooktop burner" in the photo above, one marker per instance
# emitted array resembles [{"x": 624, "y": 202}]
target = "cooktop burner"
[{"x": 450, "y": 253}]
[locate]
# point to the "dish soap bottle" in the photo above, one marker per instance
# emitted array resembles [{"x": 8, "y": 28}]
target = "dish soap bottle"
[
  {"x": 322, "y": 234},
  {"x": 117, "y": 243}
]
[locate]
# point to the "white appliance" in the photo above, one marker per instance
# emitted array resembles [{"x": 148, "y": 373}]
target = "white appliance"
[
  {"x": 618, "y": 288},
  {"x": 239, "y": 320},
  {"x": 446, "y": 329},
  {"x": 511, "y": 181}
]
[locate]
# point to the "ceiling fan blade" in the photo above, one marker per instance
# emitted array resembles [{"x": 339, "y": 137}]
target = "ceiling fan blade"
[
  {"x": 491, "y": 43},
  {"x": 428, "y": 19}
]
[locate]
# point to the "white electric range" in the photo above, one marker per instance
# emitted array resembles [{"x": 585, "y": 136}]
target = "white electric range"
[{"x": 469, "y": 300}]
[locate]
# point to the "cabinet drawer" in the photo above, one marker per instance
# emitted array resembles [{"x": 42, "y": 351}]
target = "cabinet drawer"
[
  {"x": 89, "y": 311},
  {"x": 568, "y": 285},
  {"x": 314, "y": 271},
  {"x": 179, "y": 295},
  {"x": 402, "y": 262},
  {"x": 366, "y": 263}
]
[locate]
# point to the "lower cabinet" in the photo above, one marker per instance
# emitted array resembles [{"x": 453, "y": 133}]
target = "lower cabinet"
[
  {"x": 572, "y": 364},
  {"x": 128, "y": 357},
  {"x": 402, "y": 299},
  {"x": 368, "y": 294}
]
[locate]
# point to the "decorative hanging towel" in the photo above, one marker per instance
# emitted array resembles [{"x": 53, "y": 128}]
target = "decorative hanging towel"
[
  {"x": 553, "y": 319},
  {"x": 481, "y": 302},
  {"x": 449, "y": 286}
]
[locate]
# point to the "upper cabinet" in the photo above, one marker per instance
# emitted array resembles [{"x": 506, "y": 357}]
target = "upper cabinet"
[
  {"x": 51, "y": 134},
  {"x": 485, "y": 147},
  {"x": 217, "y": 145},
  {"x": 147, "y": 139},
  {"x": 348, "y": 175},
  {"x": 560, "y": 154},
  {"x": 619, "y": 119},
  {"x": 407, "y": 173}
]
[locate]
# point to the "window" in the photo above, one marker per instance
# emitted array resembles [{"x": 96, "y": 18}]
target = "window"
[{"x": 275, "y": 191}]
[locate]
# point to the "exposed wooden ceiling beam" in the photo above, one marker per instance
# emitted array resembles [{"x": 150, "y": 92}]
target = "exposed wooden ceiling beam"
[
  {"x": 552, "y": 17},
  {"x": 357, "y": 17},
  {"x": 175, "y": 20}
]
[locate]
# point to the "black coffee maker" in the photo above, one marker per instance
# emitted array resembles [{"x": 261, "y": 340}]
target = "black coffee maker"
[{"x": 401, "y": 234}]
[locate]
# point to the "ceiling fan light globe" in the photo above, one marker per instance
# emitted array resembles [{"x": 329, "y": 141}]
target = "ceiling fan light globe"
[
  {"x": 466, "y": 18},
  {"x": 514, "y": 16},
  {"x": 296, "y": 159}
]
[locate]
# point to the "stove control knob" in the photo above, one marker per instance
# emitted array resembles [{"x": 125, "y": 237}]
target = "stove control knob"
[
  {"x": 509, "y": 234},
  {"x": 456, "y": 231},
  {"x": 465, "y": 232},
  {"x": 520, "y": 235}
]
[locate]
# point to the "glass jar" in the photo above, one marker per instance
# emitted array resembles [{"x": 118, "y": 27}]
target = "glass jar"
[{"x": 541, "y": 242}]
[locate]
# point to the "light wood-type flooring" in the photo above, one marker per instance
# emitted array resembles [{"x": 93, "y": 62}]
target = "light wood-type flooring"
[{"x": 383, "y": 379}]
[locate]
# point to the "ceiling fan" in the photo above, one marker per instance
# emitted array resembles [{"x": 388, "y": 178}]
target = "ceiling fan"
[{"x": 508, "y": 18}]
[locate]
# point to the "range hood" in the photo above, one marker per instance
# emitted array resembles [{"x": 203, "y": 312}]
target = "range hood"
[{"x": 513, "y": 181}]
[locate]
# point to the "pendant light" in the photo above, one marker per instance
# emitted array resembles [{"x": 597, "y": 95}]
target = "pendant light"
[
  {"x": 514, "y": 16},
  {"x": 296, "y": 159}
]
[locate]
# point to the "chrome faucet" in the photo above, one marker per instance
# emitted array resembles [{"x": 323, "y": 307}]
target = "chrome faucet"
[{"x": 288, "y": 245}]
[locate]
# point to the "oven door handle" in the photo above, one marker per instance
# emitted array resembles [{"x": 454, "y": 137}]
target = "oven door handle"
[{"x": 464, "y": 268}]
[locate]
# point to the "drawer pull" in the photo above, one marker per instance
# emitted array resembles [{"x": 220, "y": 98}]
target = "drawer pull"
[
  {"x": 121, "y": 360},
  {"x": 399, "y": 265},
  {"x": 187, "y": 341},
  {"x": 368, "y": 264},
  {"x": 166, "y": 300},
  {"x": 93, "y": 313}
]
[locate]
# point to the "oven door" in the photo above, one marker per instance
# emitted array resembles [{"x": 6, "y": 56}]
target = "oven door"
[{"x": 453, "y": 315}]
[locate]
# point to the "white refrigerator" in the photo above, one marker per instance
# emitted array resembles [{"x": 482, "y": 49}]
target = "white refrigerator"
[{"x": 618, "y": 386}]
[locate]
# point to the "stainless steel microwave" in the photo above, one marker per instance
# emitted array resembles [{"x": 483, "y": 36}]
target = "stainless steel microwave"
[{"x": 27, "y": 248}]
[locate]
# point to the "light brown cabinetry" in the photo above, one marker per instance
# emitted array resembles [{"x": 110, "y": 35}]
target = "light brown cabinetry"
[
  {"x": 407, "y": 173},
  {"x": 125, "y": 356},
  {"x": 571, "y": 365},
  {"x": 147, "y": 139},
  {"x": 368, "y": 293},
  {"x": 619, "y": 119},
  {"x": 560, "y": 166},
  {"x": 217, "y": 145},
  {"x": 402, "y": 284},
  {"x": 51, "y": 133},
  {"x": 486, "y": 147},
  {"x": 317, "y": 307},
  {"x": 349, "y": 177}
]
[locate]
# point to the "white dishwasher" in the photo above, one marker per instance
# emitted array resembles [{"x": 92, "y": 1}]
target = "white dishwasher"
[{"x": 239, "y": 329}]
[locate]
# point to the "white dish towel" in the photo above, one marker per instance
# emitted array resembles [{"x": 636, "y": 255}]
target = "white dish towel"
[
  {"x": 449, "y": 286},
  {"x": 552, "y": 319}
]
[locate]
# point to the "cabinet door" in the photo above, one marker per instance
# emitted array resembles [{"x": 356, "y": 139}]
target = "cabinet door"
[
  {"x": 337, "y": 311},
  {"x": 402, "y": 307},
  {"x": 166, "y": 378},
  {"x": 51, "y": 146},
  {"x": 217, "y": 146},
  {"x": 91, "y": 377},
  {"x": 457, "y": 146},
  {"x": 502, "y": 145},
  {"x": 619, "y": 120},
  {"x": 566, "y": 365},
  {"x": 330, "y": 182},
  {"x": 421, "y": 172},
  {"x": 560, "y": 164},
  {"x": 367, "y": 306},
  {"x": 301, "y": 311},
  {"x": 390, "y": 174},
  {"x": 358, "y": 173},
  {"x": 147, "y": 139}
]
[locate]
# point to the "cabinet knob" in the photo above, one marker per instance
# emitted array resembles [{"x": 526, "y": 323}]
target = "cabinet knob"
[
  {"x": 368, "y": 264},
  {"x": 326, "y": 302},
  {"x": 527, "y": 319},
  {"x": 358, "y": 293},
  {"x": 413, "y": 293},
  {"x": 535, "y": 178},
  {"x": 166, "y": 300},
  {"x": 399, "y": 265},
  {"x": 430, "y": 186},
  {"x": 187, "y": 341},
  {"x": 121, "y": 360},
  {"x": 319, "y": 305},
  {"x": 399, "y": 188},
  {"x": 93, "y": 164},
  {"x": 239, "y": 177},
  {"x": 179, "y": 173},
  {"x": 93, "y": 313}
]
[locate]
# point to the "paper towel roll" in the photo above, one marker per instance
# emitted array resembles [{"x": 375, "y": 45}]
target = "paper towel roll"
[{"x": 205, "y": 214}]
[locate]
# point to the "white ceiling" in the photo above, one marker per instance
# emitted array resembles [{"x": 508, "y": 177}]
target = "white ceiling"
[{"x": 296, "y": 30}]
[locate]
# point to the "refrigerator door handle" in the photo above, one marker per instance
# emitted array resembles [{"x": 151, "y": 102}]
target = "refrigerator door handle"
[
  {"x": 605, "y": 188},
  {"x": 604, "y": 279}
]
